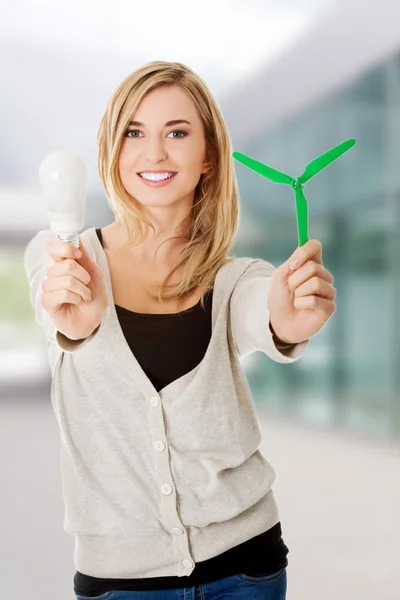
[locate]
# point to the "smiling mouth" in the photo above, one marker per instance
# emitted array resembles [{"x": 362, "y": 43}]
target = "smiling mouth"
[
  {"x": 160, "y": 182},
  {"x": 156, "y": 177}
]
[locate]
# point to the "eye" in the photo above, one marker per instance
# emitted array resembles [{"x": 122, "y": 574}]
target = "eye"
[
  {"x": 132, "y": 131},
  {"x": 184, "y": 133}
]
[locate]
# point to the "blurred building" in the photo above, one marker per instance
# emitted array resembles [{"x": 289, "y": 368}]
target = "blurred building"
[{"x": 341, "y": 81}]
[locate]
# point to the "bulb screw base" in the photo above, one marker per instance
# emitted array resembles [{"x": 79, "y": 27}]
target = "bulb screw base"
[{"x": 71, "y": 238}]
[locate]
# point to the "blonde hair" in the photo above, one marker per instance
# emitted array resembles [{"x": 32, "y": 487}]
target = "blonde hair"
[{"x": 215, "y": 210}]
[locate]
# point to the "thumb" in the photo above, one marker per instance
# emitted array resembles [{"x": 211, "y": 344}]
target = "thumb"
[{"x": 86, "y": 261}]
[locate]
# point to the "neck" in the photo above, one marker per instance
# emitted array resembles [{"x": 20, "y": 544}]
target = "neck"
[{"x": 117, "y": 240}]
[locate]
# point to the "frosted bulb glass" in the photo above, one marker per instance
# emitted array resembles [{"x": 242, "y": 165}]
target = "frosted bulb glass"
[{"x": 63, "y": 178}]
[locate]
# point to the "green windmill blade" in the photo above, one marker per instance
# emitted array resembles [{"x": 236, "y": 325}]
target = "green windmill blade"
[
  {"x": 297, "y": 183},
  {"x": 316, "y": 165},
  {"x": 301, "y": 215},
  {"x": 264, "y": 170}
]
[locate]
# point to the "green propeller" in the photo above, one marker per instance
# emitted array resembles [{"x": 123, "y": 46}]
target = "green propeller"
[{"x": 314, "y": 167}]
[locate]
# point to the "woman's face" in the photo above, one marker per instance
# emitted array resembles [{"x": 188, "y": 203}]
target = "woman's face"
[{"x": 152, "y": 142}]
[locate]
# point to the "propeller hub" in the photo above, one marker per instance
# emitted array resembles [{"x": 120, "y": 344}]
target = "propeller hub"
[{"x": 297, "y": 184}]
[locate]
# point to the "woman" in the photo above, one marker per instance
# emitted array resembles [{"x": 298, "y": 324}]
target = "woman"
[{"x": 165, "y": 489}]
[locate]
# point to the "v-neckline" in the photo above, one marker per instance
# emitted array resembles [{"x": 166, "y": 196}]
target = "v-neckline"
[{"x": 127, "y": 357}]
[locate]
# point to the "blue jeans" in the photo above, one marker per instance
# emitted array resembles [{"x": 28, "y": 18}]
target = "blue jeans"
[{"x": 271, "y": 586}]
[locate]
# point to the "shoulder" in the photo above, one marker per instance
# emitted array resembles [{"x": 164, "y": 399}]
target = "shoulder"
[
  {"x": 89, "y": 238},
  {"x": 245, "y": 267}
]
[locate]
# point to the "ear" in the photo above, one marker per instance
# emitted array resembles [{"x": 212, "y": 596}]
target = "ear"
[
  {"x": 206, "y": 166},
  {"x": 208, "y": 162}
]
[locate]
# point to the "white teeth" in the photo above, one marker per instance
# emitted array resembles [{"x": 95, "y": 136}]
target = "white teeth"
[{"x": 156, "y": 176}]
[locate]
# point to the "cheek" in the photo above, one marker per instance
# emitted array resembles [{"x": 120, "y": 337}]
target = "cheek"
[
  {"x": 128, "y": 178},
  {"x": 123, "y": 171},
  {"x": 125, "y": 159},
  {"x": 126, "y": 165},
  {"x": 193, "y": 162},
  {"x": 190, "y": 175},
  {"x": 190, "y": 154}
]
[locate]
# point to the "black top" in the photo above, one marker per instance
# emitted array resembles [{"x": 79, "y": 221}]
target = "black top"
[{"x": 167, "y": 346}]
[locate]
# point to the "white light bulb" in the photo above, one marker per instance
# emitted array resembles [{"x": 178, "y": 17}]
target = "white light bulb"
[{"x": 63, "y": 178}]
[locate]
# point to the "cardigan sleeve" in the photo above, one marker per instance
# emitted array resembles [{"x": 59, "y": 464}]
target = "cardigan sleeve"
[
  {"x": 249, "y": 316},
  {"x": 36, "y": 263}
]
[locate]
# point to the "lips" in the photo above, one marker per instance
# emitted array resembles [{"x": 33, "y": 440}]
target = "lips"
[
  {"x": 171, "y": 174},
  {"x": 159, "y": 182}
]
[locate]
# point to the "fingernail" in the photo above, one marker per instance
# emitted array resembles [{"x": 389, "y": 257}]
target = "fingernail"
[
  {"x": 78, "y": 253},
  {"x": 294, "y": 263}
]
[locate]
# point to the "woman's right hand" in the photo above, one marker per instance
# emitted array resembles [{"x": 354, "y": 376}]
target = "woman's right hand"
[{"x": 74, "y": 291}]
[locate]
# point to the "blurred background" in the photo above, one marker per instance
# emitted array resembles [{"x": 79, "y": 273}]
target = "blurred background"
[{"x": 293, "y": 79}]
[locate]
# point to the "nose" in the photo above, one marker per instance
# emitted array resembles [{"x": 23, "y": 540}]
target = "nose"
[{"x": 155, "y": 150}]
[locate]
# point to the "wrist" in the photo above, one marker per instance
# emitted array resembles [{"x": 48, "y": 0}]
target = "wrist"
[
  {"x": 83, "y": 335},
  {"x": 278, "y": 338}
]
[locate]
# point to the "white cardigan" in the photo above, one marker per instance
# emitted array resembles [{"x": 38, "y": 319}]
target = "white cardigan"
[{"x": 154, "y": 482}]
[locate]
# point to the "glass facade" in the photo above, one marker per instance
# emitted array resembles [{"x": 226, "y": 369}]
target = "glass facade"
[{"x": 349, "y": 377}]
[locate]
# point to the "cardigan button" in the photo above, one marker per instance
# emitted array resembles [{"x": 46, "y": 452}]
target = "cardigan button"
[
  {"x": 166, "y": 489},
  {"x": 159, "y": 445},
  {"x": 187, "y": 563},
  {"x": 154, "y": 400},
  {"x": 176, "y": 531}
]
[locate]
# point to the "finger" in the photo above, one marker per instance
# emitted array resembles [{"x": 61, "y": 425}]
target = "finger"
[
  {"x": 52, "y": 301},
  {"x": 307, "y": 271},
  {"x": 67, "y": 282},
  {"x": 322, "y": 307},
  {"x": 316, "y": 287},
  {"x": 58, "y": 250},
  {"x": 69, "y": 266},
  {"x": 310, "y": 250}
]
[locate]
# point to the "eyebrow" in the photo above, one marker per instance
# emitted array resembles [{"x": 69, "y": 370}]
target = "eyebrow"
[{"x": 168, "y": 124}]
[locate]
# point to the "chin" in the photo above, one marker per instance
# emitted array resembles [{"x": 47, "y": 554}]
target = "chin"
[{"x": 160, "y": 197}]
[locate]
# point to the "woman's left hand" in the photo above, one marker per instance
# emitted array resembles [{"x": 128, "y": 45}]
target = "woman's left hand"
[{"x": 301, "y": 297}]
